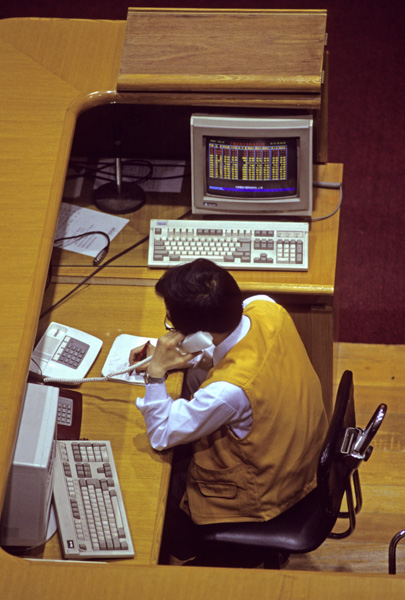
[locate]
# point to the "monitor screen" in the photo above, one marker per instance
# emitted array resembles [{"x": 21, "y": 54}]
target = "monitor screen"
[
  {"x": 251, "y": 168},
  {"x": 247, "y": 165}
]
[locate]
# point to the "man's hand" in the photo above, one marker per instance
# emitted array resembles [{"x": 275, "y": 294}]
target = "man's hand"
[
  {"x": 138, "y": 354},
  {"x": 167, "y": 355}
]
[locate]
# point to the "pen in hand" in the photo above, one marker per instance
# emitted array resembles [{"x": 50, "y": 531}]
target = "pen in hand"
[{"x": 142, "y": 354}]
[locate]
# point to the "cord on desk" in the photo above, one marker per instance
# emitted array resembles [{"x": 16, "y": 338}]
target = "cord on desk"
[
  {"x": 103, "y": 252},
  {"x": 329, "y": 186},
  {"x": 101, "y": 267},
  {"x": 107, "y": 377},
  {"x": 86, "y": 171}
]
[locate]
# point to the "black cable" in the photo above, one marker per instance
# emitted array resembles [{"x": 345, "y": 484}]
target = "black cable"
[
  {"x": 170, "y": 177},
  {"x": 101, "y": 267},
  {"x": 88, "y": 172},
  {"x": 85, "y": 171},
  {"x": 103, "y": 252}
]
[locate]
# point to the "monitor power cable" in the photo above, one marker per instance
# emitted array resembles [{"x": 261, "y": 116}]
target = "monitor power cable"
[{"x": 329, "y": 186}]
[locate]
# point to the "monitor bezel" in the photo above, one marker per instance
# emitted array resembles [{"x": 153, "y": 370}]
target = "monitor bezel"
[{"x": 204, "y": 126}]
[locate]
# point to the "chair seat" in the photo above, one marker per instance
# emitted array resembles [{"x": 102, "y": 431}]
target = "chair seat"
[{"x": 302, "y": 528}]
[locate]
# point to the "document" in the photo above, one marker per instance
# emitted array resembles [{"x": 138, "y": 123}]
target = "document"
[
  {"x": 74, "y": 220},
  {"x": 118, "y": 358}
]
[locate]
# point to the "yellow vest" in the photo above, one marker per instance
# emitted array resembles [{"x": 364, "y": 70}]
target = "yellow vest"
[{"x": 264, "y": 473}]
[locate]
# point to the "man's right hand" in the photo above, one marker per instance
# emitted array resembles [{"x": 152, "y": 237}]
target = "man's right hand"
[{"x": 167, "y": 355}]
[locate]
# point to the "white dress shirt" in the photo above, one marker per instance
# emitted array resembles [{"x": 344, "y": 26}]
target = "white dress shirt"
[{"x": 170, "y": 423}]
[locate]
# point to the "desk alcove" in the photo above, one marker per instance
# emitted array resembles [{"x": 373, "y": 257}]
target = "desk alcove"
[
  {"x": 54, "y": 70},
  {"x": 163, "y": 132}
]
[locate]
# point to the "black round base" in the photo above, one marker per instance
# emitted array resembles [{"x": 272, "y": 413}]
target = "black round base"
[{"x": 109, "y": 200}]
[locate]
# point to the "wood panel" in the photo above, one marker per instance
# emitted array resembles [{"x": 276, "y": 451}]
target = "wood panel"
[
  {"x": 95, "y": 45},
  {"x": 186, "y": 50},
  {"x": 315, "y": 326},
  {"x": 40, "y": 81}
]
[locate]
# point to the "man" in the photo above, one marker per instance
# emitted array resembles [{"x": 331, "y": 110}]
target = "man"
[{"x": 255, "y": 418}]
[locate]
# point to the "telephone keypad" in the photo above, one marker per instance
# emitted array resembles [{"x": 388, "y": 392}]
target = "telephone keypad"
[
  {"x": 71, "y": 352},
  {"x": 65, "y": 411}
]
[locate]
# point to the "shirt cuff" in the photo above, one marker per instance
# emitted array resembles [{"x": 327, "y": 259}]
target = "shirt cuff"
[{"x": 153, "y": 392}]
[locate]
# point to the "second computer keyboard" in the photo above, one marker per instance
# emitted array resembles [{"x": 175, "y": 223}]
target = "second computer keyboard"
[
  {"x": 268, "y": 245},
  {"x": 89, "y": 507}
]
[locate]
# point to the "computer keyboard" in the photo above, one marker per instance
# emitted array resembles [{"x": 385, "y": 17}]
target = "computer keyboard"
[
  {"x": 89, "y": 507},
  {"x": 232, "y": 244}
]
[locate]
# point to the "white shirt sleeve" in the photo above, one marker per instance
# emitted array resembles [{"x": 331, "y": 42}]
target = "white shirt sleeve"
[{"x": 172, "y": 422}]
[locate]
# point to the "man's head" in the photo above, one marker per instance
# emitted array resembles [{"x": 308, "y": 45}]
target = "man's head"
[{"x": 200, "y": 296}]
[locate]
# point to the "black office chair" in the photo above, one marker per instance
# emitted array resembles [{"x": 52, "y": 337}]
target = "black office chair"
[{"x": 306, "y": 525}]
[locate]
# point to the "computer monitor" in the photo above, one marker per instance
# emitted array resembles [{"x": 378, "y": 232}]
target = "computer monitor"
[
  {"x": 244, "y": 165},
  {"x": 26, "y": 517}
]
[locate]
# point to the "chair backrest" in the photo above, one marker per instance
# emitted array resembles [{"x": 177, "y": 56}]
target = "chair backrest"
[
  {"x": 344, "y": 449},
  {"x": 333, "y": 474}
]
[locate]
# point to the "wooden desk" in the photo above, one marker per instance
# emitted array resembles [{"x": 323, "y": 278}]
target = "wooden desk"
[{"x": 50, "y": 71}]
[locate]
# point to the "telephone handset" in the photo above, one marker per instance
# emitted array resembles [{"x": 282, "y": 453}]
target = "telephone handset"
[{"x": 195, "y": 342}]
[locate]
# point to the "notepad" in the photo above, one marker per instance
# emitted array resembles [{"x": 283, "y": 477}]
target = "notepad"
[{"x": 118, "y": 358}]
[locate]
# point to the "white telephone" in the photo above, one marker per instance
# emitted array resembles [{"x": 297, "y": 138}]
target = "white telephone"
[
  {"x": 65, "y": 355},
  {"x": 64, "y": 352},
  {"x": 195, "y": 342}
]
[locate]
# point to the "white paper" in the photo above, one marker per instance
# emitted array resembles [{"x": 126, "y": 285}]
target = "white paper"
[
  {"x": 74, "y": 220},
  {"x": 118, "y": 357}
]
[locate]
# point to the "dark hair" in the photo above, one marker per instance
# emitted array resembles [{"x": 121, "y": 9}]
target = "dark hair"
[{"x": 201, "y": 296}]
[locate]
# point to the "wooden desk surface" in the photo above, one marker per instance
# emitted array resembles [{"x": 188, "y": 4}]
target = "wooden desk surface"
[{"x": 50, "y": 71}]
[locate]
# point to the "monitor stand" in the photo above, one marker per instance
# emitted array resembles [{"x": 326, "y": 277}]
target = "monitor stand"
[{"x": 119, "y": 197}]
